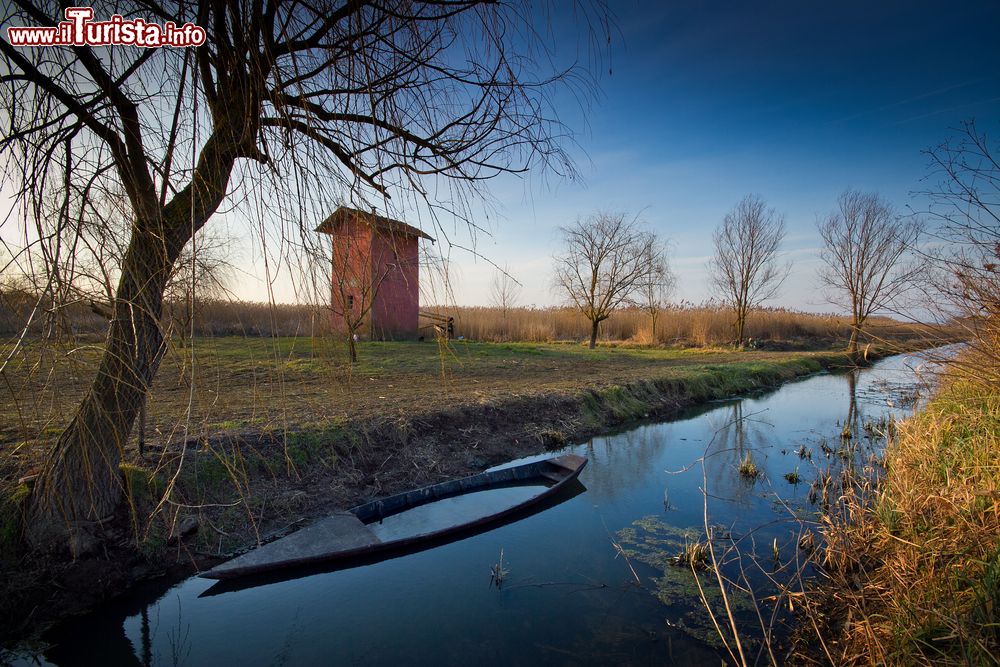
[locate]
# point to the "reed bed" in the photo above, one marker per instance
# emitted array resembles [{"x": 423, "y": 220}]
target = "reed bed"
[
  {"x": 913, "y": 565},
  {"x": 217, "y": 317},
  {"x": 685, "y": 325}
]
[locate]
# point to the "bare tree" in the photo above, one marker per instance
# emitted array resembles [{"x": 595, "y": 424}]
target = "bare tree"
[
  {"x": 353, "y": 292},
  {"x": 605, "y": 259},
  {"x": 745, "y": 270},
  {"x": 285, "y": 108},
  {"x": 965, "y": 205},
  {"x": 87, "y": 272},
  {"x": 504, "y": 291},
  {"x": 202, "y": 272},
  {"x": 656, "y": 287},
  {"x": 864, "y": 251}
]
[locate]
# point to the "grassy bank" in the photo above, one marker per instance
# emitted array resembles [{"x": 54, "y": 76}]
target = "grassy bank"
[
  {"x": 914, "y": 573},
  {"x": 231, "y": 384},
  {"x": 268, "y": 433}
]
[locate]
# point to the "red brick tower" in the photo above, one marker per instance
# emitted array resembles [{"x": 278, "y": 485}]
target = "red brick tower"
[{"x": 375, "y": 286}]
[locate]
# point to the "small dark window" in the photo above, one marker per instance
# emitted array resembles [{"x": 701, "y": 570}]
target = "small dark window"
[{"x": 350, "y": 302}]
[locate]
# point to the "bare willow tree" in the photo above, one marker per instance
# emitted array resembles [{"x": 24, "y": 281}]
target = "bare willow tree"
[
  {"x": 606, "y": 257},
  {"x": 90, "y": 273},
  {"x": 286, "y": 108},
  {"x": 865, "y": 248},
  {"x": 654, "y": 290},
  {"x": 504, "y": 291},
  {"x": 87, "y": 272},
  {"x": 746, "y": 269},
  {"x": 202, "y": 273},
  {"x": 965, "y": 205}
]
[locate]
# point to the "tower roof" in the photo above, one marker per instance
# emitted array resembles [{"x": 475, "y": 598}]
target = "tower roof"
[{"x": 377, "y": 222}]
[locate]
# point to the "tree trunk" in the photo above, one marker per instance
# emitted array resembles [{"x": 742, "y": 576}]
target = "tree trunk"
[
  {"x": 593, "y": 334},
  {"x": 852, "y": 344},
  {"x": 740, "y": 325},
  {"x": 353, "y": 347},
  {"x": 80, "y": 486},
  {"x": 852, "y": 407}
]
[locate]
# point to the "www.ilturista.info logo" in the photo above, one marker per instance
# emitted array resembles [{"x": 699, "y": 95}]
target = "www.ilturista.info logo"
[{"x": 79, "y": 30}]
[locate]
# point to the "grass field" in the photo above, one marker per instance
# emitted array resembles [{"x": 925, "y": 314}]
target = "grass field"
[{"x": 235, "y": 383}]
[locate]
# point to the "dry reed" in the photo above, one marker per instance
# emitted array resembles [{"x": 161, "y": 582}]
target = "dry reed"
[
  {"x": 914, "y": 568},
  {"x": 686, "y": 324},
  {"x": 681, "y": 325},
  {"x": 217, "y": 317}
]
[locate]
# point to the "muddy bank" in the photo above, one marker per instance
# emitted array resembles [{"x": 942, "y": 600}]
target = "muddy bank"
[{"x": 243, "y": 487}]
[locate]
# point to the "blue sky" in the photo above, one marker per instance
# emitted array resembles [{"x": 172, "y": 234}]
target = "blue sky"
[
  {"x": 709, "y": 101},
  {"x": 701, "y": 103}
]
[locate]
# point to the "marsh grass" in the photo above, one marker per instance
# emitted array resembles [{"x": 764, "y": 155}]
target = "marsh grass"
[
  {"x": 694, "y": 555},
  {"x": 748, "y": 468},
  {"x": 913, "y": 564},
  {"x": 686, "y": 324},
  {"x": 683, "y": 324}
]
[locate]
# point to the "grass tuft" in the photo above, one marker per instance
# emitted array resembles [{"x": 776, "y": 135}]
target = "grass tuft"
[
  {"x": 748, "y": 468},
  {"x": 694, "y": 555},
  {"x": 11, "y": 519}
]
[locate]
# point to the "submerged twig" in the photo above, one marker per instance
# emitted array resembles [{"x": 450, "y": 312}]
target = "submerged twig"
[
  {"x": 619, "y": 551},
  {"x": 498, "y": 572}
]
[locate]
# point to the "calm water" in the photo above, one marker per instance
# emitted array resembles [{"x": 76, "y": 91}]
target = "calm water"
[{"x": 568, "y": 596}]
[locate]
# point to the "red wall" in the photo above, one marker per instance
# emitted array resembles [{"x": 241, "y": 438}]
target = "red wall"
[
  {"x": 395, "y": 313},
  {"x": 387, "y": 265},
  {"x": 351, "y": 253}
]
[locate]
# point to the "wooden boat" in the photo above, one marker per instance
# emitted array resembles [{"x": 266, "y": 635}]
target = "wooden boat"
[{"x": 348, "y": 535}]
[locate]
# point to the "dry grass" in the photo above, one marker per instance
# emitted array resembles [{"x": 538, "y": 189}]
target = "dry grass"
[
  {"x": 748, "y": 468},
  {"x": 218, "y": 317},
  {"x": 683, "y": 325},
  {"x": 914, "y": 569},
  {"x": 680, "y": 325},
  {"x": 695, "y": 555}
]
